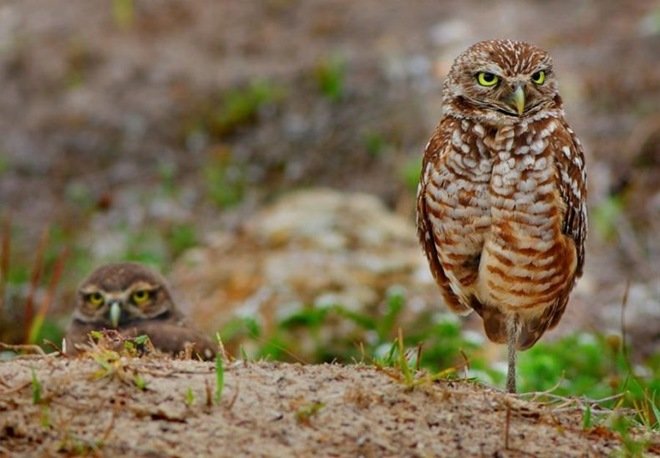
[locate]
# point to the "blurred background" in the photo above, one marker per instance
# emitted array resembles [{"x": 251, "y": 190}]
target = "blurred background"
[{"x": 264, "y": 156}]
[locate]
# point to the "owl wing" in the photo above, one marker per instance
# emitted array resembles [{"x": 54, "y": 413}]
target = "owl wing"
[
  {"x": 173, "y": 333},
  {"x": 571, "y": 177},
  {"x": 573, "y": 189},
  {"x": 434, "y": 152}
]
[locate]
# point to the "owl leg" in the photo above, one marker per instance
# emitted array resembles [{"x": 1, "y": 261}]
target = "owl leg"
[{"x": 512, "y": 334}]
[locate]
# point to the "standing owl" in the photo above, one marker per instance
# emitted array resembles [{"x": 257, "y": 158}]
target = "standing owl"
[
  {"x": 135, "y": 301},
  {"x": 501, "y": 211}
]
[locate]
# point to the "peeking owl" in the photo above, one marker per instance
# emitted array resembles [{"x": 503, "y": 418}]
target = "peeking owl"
[{"x": 134, "y": 300}]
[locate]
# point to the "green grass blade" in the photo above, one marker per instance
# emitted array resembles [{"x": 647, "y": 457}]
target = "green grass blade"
[
  {"x": 37, "y": 389},
  {"x": 219, "y": 378}
]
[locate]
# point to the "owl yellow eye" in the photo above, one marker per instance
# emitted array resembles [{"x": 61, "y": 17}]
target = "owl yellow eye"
[
  {"x": 538, "y": 77},
  {"x": 140, "y": 297},
  {"x": 96, "y": 299},
  {"x": 487, "y": 79}
]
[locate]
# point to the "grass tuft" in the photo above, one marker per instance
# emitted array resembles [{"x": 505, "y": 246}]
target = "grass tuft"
[
  {"x": 189, "y": 397},
  {"x": 219, "y": 378},
  {"x": 305, "y": 413},
  {"x": 586, "y": 417},
  {"x": 632, "y": 445},
  {"x": 112, "y": 353},
  {"x": 37, "y": 389},
  {"x": 139, "y": 382},
  {"x": 330, "y": 78}
]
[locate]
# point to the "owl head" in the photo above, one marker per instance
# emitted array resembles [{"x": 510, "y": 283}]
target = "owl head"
[
  {"x": 501, "y": 82},
  {"x": 115, "y": 295}
]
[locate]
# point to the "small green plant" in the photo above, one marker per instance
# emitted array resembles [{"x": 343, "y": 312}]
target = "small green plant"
[
  {"x": 219, "y": 378},
  {"x": 108, "y": 361},
  {"x": 586, "y": 417},
  {"x": 239, "y": 107},
  {"x": 330, "y": 77},
  {"x": 44, "y": 417},
  {"x": 189, "y": 397},
  {"x": 225, "y": 179},
  {"x": 243, "y": 353},
  {"x": 37, "y": 389},
  {"x": 73, "y": 445},
  {"x": 147, "y": 246},
  {"x": 181, "y": 237},
  {"x": 115, "y": 364},
  {"x": 141, "y": 339},
  {"x": 136, "y": 345},
  {"x": 410, "y": 172},
  {"x": 606, "y": 216},
  {"x": 403, "y": 362},
  {"x": 123, "y": 12},
  {"x": 374, "y": 143},
  {"x": 305, "y": 413},
  {"x": 96, "y": 335},
  {"x": 406, "y": 364},
  {"x": 649, "y": 409},
  {"x": 139, "y": 382},
  {"x": 631, "y": 446}
]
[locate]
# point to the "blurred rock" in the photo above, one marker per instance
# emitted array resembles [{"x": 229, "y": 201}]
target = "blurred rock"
[
  {"x": 641, "y": 319},
  {"x": 313, "y": 247}
]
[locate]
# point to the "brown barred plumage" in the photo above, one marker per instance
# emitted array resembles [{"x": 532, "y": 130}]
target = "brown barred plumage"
[{"x": 501, "y": 209}]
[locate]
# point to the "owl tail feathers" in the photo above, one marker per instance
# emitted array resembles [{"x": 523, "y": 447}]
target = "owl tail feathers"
[{"x": 495, "y": 325}]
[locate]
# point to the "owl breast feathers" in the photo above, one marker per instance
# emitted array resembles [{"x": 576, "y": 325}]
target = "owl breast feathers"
[{"x": 501, "y": 204}]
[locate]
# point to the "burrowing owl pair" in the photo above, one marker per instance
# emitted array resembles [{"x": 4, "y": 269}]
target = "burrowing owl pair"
[
  {"x": 136, "y": 301},
  {"x": 501, "y": 210},
  {"x": 501, "y": 202}
]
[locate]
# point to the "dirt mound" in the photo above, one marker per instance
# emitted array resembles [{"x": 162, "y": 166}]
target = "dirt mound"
[{"x": 164, "y": 407}]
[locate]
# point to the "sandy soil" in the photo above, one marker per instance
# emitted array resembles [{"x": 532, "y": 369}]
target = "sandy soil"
[{"x": 272, "y": 409}]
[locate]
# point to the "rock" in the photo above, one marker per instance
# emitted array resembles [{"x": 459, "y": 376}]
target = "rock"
[
  {"x": 641, "y": 318},
  {"x": 311, "y": 248}
]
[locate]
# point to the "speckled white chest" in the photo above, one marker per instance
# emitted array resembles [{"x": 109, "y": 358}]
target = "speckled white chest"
[
  {"x": 496, "y": 214},
  {"x": 518, "y": 267}
]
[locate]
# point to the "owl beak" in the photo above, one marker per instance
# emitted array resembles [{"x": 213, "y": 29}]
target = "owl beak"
[
  {"x": 517, "y": 100},
  {"x": 115, "y": 313}
]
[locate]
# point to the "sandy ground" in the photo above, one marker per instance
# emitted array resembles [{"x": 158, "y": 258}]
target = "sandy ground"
[{"x": 272, "y": 409}]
